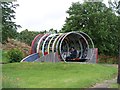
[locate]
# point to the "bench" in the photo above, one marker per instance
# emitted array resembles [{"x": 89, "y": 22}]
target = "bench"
[{"x": 77, "y": 60}]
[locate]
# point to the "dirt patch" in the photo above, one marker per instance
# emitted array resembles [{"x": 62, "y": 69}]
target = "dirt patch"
[{"x": 105, "y": 84}]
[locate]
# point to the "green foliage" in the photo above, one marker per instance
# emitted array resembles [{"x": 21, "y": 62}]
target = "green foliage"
[
  {"x": 9, "y": 27},
  {"x": 107, "y": 59},
  {"x": 15, "y": 55},
  {"x": 4, "y": 58},
  {"x": 52, "y": 31},
  {"x": 115, "y": 5},
  {"x": 98, "y": 21},
  {"x": 55, "y": 75},
  {"x": 0, "y": 55},
  {"x": 115, "y": 85},
  {"x": 27, "y": 36}
]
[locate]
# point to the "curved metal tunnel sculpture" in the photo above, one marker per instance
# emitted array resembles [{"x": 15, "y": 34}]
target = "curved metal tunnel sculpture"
[{"x": 61, "y": 43}]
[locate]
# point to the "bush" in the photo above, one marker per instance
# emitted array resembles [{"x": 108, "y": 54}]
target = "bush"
[
  {"x": 108, "y": 59},
  {"x": 4, "y": 56},
  {"x": 15, "y": 55}
]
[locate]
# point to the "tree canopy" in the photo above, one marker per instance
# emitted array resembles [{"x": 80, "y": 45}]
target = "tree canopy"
[
  {"x": 115, "y": 6},
  {"x": 98, "y": 21},
  {"x": 27, "y": 36},
  {"x": 9, "y": 27}
]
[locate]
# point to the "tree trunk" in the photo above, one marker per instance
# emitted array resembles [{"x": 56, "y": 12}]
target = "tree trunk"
[{"x": 118, "y": 79}]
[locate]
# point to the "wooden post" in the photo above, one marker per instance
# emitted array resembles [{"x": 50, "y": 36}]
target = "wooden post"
[{"x": 118, "y": 79}]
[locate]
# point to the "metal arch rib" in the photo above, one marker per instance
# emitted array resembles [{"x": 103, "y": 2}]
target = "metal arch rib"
[
  {"x": 89, "y": 38},
  {"x": 59, "y": 41},
  {"x": 41, "y": 39},
  {"x": 67, "y": 35},
  {"x": 33, "y": 42},
  {"x": 53, "y": 46},
  {"x": 91, "y": 43},
  {"x": 48, "y": 48},
  {"x": 81, "y": 48},
  {"x": 43, "y": 46}
]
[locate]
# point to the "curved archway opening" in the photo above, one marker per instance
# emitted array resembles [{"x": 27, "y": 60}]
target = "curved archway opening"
[{"x": 76, "y": 40}]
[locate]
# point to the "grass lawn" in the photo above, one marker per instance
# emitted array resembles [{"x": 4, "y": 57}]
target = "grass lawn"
[
  {"x": 3, "y": 56},
  {"x": 115, "y": 85},
  {"x": 0, "y": 55},
  {"x": 54, "y": 75}
]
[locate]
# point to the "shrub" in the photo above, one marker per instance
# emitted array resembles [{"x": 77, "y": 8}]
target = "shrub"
[
  {"x": 108, "y": 59},
  {"x": 15, "y": 55},
  {"x": 4, "y": 57}
]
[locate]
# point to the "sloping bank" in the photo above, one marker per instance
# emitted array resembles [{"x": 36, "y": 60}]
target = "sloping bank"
[{"x": 55, "y": 75}]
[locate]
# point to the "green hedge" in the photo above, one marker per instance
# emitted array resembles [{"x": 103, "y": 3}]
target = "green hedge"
[{"x": 15, "y": 55}]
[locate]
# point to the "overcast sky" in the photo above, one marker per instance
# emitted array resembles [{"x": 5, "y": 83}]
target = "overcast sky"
[{"x": 38, "y": 15}]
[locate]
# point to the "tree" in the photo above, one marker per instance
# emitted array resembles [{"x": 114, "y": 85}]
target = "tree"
[
  {"x": 115, "y": 5},
  {"x": 96, "y": 20},
  {"x": 0, "y": 23},
  {"x": 52, "y": 31},
  {"x": 9, "y": 27},
  {"x": 27, "y": 36},
  {"x": 118, "y": 79}
]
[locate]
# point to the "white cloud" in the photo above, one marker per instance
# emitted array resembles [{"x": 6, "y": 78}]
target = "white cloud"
[{"x": 40, "y": 15}]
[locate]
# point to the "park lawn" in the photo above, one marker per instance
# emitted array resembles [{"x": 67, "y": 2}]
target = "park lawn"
[
  {"x": 115, "y": 85},
  {"x": 54, "y": 75},
  {"x": 3, "y": 57},
  {"x": 0, "y": 55}
]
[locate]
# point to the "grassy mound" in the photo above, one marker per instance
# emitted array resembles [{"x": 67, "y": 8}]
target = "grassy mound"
[{"x": 55, "y": 75}]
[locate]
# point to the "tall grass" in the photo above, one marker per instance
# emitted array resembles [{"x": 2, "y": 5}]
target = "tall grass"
[{"x": 55, "y": 75}]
